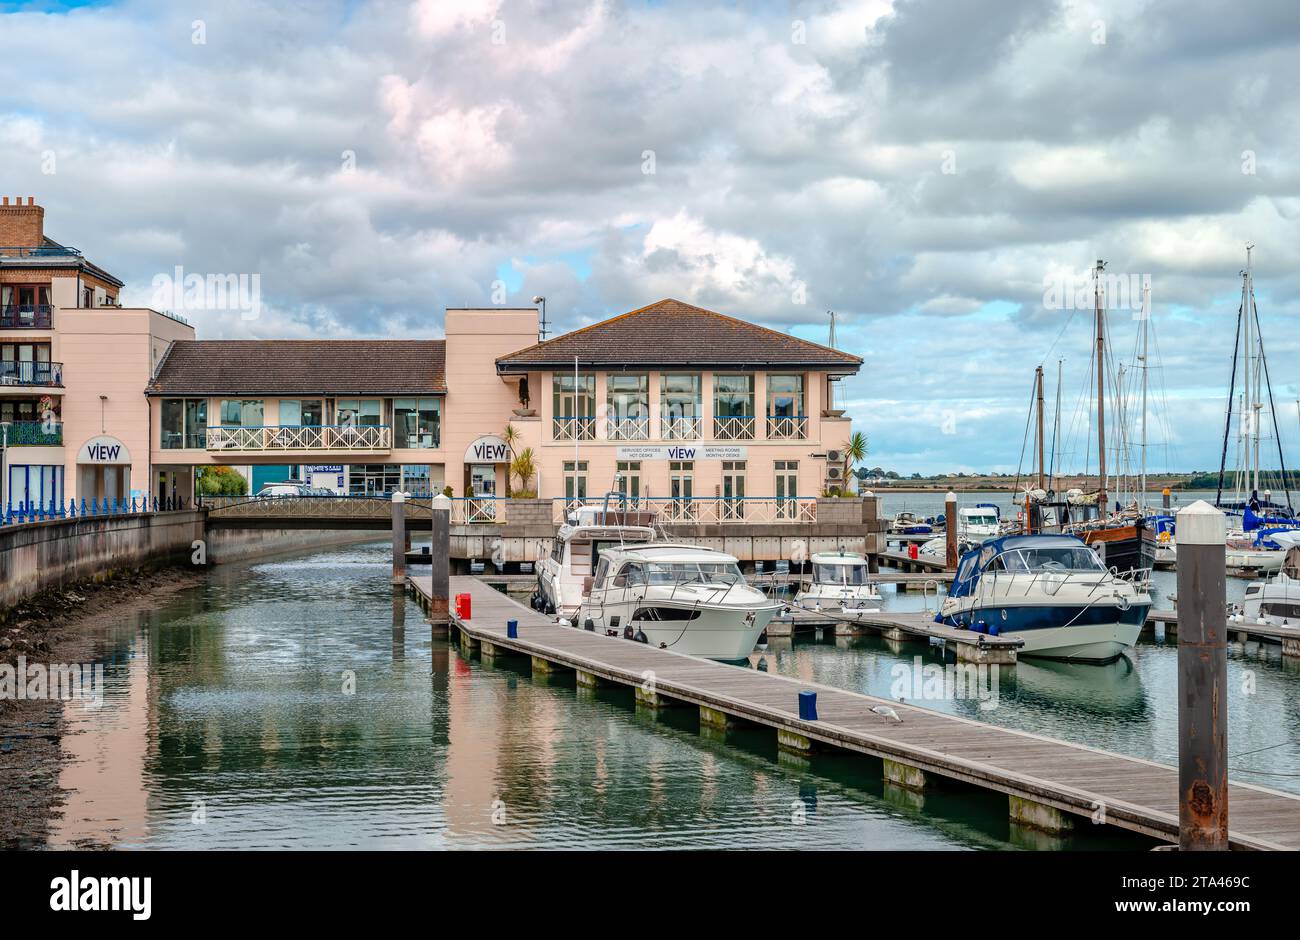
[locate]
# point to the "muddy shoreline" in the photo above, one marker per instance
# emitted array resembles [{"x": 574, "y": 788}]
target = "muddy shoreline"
[{"x": 57, "y": 626}]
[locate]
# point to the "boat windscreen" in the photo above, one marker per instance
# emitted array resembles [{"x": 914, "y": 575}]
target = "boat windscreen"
[
  {"x": 677, "y": 572},
  {"x": 840, "y": 574},
  {"x": 1053, "y": 559}
]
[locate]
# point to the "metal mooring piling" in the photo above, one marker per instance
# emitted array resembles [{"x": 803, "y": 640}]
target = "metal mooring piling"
[
  {"x": 440, "y": 559},
  {"x": 399, "y": 539},
  {"x": 1202, "y": 680}
]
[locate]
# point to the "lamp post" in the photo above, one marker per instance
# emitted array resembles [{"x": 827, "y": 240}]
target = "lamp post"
[
  {"x": 4, "y": 471},
  {"x": 541, "y": 329}
]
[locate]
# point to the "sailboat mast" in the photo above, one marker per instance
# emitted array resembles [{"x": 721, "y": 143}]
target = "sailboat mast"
[
  {"x": 1042, "y": 469},
  {"x": 1101, "y": 392},
  {"x": 1146, "y": 316},
  {"x": 1248, "y": 413}
]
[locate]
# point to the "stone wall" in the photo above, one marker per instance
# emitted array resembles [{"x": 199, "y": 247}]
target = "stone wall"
[{"x": 42, "y": 555}]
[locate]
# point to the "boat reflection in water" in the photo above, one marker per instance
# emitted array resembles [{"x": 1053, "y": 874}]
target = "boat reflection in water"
[{"x": 1113, "y": 690}]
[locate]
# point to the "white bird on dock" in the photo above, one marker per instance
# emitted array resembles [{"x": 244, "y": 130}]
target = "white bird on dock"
[{"x": 886, "y": 712}]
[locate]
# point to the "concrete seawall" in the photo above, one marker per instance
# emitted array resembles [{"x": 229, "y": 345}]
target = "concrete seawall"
[
  {"x": 229, "y": 544},
  {"x": 45, "y": 555}
]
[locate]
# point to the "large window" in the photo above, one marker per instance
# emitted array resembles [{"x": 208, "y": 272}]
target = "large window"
[
  {"x": 733, "y": 407},
  {"x": 28, "y": 364},
  {"x": 417, "y": 422},
  {"x": 785, "y": 414},
  {"x": 242, "y": 413},
  {"x": 377, "y": 479},
  {"x": 628, "y": 479},
  {"x": 302, "y": 413},
  {"x": 35, "y": 485},
  {"x": 628, "y": 400},
  {"x": 360, "y": 412},
  {"x": 184, "y": 423},
  {"x": 679, "y": 407},
  {"x": 575, "y": 481},
  {"x": 575, "y": 407}
]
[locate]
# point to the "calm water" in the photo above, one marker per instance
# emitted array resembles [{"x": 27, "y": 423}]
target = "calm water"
[{"x": 226, "y": 725}]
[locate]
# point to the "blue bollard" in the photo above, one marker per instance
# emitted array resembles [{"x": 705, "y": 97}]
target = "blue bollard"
[
  {"x": 808, "y": 705},
  {"x": 512, "y": 629}
]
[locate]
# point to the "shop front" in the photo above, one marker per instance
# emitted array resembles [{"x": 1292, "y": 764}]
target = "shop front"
[
  {"x": 104, "y": 469},
  {"x": 487, "y": 461}
]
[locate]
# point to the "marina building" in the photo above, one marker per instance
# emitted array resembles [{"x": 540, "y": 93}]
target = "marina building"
[{"x": 667, "y": 402}]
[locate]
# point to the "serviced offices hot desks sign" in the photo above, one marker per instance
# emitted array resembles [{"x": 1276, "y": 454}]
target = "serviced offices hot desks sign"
[{"x": 682, "y": 452}]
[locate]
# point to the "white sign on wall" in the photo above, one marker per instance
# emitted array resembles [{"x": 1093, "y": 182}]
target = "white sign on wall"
[
  {"x": 488, "y": 449},
  {"x": 682, "y": 452},
  {"x": 103, "y": 449}
]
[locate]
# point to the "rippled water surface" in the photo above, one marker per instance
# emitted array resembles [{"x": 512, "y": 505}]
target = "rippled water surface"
[{"x": 226, "y": 725}]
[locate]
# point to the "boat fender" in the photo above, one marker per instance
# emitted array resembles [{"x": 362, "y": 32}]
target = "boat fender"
[
  {"x": 640, "y": 636},
  {"x": 588, "y": 625},
  {"x": 993, "y": 629},
  {"x": 627, "y": 632}
]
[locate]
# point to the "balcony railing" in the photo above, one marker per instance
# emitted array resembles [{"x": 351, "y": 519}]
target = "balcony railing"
[
  {"x": 711, "y": 509},
  {"x": 368, "y": 437},
  {"x": 26, "y": 317},
  {"x": 787, "y": 427},
  {"x": 628, "y": 429},
  {"x": 680, "y": 429},
  {"x": 734, "y": 428},
  {"x": 38, "y": 251},
  {"x": 581, "y": 428},
  {"x": 18, "y": 372},
  {"x": 35, "y": 434}
]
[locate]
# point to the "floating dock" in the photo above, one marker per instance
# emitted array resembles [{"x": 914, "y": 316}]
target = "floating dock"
[{"x": 1050, "y": 785}]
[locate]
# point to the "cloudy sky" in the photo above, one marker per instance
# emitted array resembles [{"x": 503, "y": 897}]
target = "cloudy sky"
[{"x": 926, "y": 168}]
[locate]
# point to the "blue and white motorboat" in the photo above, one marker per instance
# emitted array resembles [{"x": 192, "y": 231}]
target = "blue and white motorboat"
[{"x": 1052, "y": 592}]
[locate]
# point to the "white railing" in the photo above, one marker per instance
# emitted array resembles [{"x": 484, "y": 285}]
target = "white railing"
[
  {"x": 369, "y": 438},
  {"x": 787, "y": 427},
  {"x": 628, "y": 429},
  {"x": 710, "y": 509},
  {"x": 574, "y": 429},
  {"x": 735, "y": 428},
  {"x": 680, "y": 429}
]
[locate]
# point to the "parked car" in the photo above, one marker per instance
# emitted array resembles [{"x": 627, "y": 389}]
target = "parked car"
[{"x": 273, "y": 490}]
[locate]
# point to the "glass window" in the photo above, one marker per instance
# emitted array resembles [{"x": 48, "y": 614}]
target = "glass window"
[
  {"x": 680, "y": 396},
  {"x": 241, "y": 413},
  {"x": 184, "y": 423},
  {"x": 574, "y": 398},
  {"x": 628, "y": 395},
  {"x": 575, "y": 480},
  {"x": 417, "y": 422},
  {"x": 785, "y": 396},
  {"x": 374, "y": 479},
  {"x": 307, "y": 413},
  {"x": 359, "y": 412},
  {"x": 733, "y": 396}
]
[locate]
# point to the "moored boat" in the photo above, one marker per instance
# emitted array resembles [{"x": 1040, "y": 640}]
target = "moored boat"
[
  {"x": 1052, "y": 592},
  {"x": 839, "y": 581}
]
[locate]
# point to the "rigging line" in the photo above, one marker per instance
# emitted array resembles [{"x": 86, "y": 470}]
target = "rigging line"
[
  {"x": 1258, "y": 749},
  {"x": 1024, "y": 440},
  {"x": 1272, "y": 407},
  {"x": 1068, "y": 321},
  {"x": 1227, "y": 420}
]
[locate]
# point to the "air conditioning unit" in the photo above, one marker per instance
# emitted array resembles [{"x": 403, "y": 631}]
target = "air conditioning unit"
[
  {"x": 835, "y": 456},
  {"x": 834, "y": 473}
]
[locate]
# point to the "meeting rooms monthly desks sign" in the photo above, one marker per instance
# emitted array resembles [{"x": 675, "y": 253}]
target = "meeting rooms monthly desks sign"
[{"x": 682, "y": 452}]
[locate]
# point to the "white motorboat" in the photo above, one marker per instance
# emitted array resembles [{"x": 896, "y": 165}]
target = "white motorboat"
[
  {"x": 906, "y": 523},
  {"x": 840, "y": 581},
  {"x": 1276, "y": 601},
  {"x": 578, "y": 546},
  {"x": 1052, "y": 592},
  {"x": 678, "y": 597},
  {"x": 978, "y": 523},
  {"x": 1246, "y": 552}
]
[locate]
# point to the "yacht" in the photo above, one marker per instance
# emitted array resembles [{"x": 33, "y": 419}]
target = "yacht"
[
  {"x": 1277, "y": 600},
  {"x": 1052, "y": 592},
  {"x": 678, "y": 597},
  {"x": 589, "y": 532},
  {"x": 840, "y": 582},
  {"x": 906, "y": 523},
  {"x": 978, "y": 523}
]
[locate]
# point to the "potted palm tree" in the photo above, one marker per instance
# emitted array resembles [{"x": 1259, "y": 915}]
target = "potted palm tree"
[
  {"x": 855, "y": 451},
  {"x": 524, "y": 467}
]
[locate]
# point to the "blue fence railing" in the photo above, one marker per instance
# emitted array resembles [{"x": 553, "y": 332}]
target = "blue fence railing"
[{"x": 30, "y": 511}]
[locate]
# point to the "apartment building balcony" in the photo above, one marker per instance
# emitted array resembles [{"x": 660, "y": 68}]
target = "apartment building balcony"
[
  {"x": 34, "y": 434},
  {"x": 681, "y": 429},
  {"x": 26, "y": 317},
  {"x": 306, "y": 438},
  {"x": 787, "y": 427},
  {"x": 628, "y": 429},
  {"x": 733, "y": 428},
  {"x": 26, "y": 374},
  {"x": 581, "y": 428}
]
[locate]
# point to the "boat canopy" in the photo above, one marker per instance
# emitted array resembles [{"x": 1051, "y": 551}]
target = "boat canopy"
[
  {"x": 974, "y": 562},
  {"x": 837, "y": 558}
]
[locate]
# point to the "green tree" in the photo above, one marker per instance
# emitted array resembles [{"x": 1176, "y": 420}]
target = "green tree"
[
  {"x": 524, "y": 466},
  {"x": 222, "y": 481},
  {"x": 511, "y": 436},
  {"x": 855, "y": 451}
]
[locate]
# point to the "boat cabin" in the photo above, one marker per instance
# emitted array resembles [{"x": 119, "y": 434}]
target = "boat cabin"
[{"x": 1024, "y": 554}]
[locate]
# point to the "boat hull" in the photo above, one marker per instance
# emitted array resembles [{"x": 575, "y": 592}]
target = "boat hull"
[
  {"x": 717, "y": 633},
  {"x": 1098, "y": 633},
  {"x": 1127, "y": 548}
]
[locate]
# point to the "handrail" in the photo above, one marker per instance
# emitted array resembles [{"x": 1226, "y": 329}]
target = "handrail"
[
  {"x": 31, "y": 372},
  {"x": 355, "y": 437}
]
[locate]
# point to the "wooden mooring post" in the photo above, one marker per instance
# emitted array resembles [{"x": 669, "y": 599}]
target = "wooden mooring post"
[
  {"x": 1202, "y": 680},
  {"x": 440, "y": 562},
  {"x": 950, "y": 517}
]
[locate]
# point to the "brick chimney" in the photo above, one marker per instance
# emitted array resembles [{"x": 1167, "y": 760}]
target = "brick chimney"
[{"x": 22, "y": 225}]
